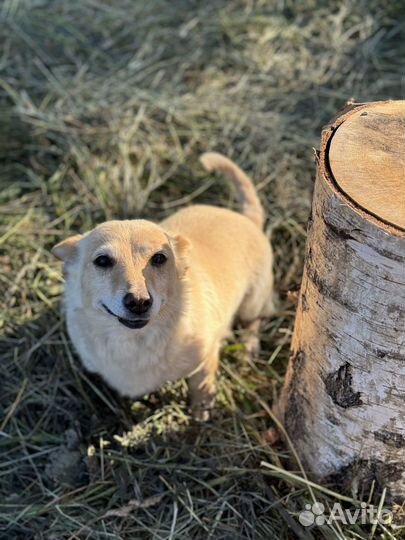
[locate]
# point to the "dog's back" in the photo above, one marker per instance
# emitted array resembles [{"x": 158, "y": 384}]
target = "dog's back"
[{"x": 227, "y": 248}]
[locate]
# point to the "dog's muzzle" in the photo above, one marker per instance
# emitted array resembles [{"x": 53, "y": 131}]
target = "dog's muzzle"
[{"x": 129, "y": 323}]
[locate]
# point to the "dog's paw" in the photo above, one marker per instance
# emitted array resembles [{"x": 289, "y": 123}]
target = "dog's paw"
[
  {"x": 252, "y": 345},
  {"x": 202, "y": 410},
  {"x": 201, "y": 414}
]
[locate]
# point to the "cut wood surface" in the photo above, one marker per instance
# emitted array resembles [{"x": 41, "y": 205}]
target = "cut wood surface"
[
  {"x": 343, "y": 403},
  {"x": 367, "y": 159}
]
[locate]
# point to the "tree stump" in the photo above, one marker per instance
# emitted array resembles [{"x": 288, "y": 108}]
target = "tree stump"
[{"x": 343, "y": 402}]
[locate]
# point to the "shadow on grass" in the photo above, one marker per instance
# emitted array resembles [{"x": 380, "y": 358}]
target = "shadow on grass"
[{"x": 79, "y": 461}]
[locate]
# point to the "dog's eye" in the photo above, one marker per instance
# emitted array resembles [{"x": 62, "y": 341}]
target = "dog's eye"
[
  {"x": 104, "y": 261},
  {"x": 158, "y": 259}
]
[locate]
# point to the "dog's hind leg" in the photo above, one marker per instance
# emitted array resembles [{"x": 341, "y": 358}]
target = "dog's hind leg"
[
  {"x": 258, "y": 303},
  {"x": 251, "y": 338},
  {"x": 202, "y": 386}
]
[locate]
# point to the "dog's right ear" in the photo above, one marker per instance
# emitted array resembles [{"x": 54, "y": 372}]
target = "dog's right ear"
[
  {"x": 66, "y": 250},
  {"x": 181, "y": 246}
]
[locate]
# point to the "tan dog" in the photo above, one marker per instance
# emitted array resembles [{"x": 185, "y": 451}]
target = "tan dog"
[{"x": 148, "y": 303}]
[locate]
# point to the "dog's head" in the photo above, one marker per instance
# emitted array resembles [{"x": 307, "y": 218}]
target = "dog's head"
[{"x": 130, "y": 270}]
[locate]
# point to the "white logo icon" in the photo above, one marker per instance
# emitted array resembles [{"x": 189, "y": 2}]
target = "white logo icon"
[{"x": 312, "y": 514}]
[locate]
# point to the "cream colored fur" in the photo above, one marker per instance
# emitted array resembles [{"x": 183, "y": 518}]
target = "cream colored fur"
[{"x": 218, "y": 267}]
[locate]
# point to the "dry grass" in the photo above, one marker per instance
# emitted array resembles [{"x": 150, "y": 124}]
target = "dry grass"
[{"x": 105, "y": 107}]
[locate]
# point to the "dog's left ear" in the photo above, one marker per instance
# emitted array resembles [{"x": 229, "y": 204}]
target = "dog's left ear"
[
  {"x": 66, "y": 250},
  {"x": 181, "y": 246}
]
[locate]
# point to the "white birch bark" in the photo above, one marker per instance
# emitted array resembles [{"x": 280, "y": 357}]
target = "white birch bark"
[{"x": 343, "y": 402}]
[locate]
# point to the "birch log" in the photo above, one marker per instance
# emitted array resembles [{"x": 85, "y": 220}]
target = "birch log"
[{"x": 343, "y": 402}]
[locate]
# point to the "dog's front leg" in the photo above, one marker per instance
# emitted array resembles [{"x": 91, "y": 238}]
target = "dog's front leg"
[{"x": 202, "y": 387}]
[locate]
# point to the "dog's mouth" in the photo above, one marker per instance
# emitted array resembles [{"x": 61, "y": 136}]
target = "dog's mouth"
[{"x": 129, "y": 323}]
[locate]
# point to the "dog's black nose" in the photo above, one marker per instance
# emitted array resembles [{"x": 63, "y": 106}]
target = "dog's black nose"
[{"x": 135, "y": 305}]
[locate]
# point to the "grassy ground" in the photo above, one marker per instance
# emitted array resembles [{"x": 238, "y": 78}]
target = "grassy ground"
[{"x": 105, "y": 107}]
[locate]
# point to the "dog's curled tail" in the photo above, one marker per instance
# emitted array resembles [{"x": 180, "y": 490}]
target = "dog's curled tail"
[{"x": 248, "y": 199}]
